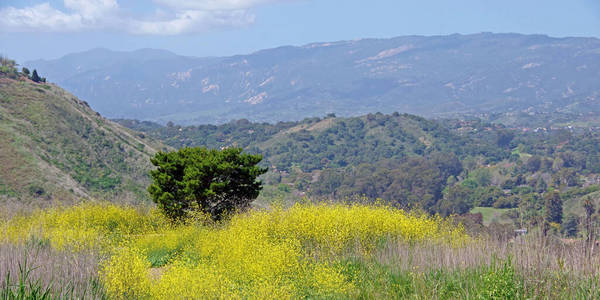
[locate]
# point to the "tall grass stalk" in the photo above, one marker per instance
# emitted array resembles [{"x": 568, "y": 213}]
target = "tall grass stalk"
[
  {"x": 35, "y": 271},
  {"x": 540, "y": 269}
]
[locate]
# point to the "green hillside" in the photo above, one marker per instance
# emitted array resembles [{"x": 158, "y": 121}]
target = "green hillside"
[
  {"x": 329, "y": 142},
  {"x": 401, "y": 158},
  {"x": 54, "y": 146},
  {"x": 443, "y": 166}
]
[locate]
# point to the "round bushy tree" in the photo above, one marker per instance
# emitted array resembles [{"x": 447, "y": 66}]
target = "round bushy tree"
[{"x": 212, "y": 181}]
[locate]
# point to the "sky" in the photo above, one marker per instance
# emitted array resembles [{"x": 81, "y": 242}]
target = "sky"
[{"x": 33, "y": 29}]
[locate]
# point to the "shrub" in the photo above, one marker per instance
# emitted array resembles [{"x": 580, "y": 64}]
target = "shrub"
[
  {"x": 212, "y": 181},
  {"x": 35, "y": 77}
]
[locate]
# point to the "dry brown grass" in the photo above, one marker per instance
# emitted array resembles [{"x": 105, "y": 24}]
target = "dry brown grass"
[
  {"x": 68, "y": 275},
  {"x": 531, "y": 254},
  {"x": 549, "y": 266}
]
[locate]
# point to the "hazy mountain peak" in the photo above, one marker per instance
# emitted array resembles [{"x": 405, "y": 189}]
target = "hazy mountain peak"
[{"x": 428, "y": 75}]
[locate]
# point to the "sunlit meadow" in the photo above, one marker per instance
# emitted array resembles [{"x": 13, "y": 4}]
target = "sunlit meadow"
[
  {"x": 281, "y": 253},
  {"x": 323, "y": 251}
]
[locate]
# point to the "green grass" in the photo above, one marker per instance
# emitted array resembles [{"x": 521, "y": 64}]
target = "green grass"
[
  {"x": 492, "y": 215},
  {"x": 498, "y": 280},
  {"x": 54, "y": 139}
]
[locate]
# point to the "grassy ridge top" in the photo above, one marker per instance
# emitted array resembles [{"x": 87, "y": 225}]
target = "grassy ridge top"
[{"x": 56, "y": 147}]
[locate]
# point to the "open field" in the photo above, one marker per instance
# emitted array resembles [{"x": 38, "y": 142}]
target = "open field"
[
  {"x": 101, "y": 250},
  {"x": 492, "y": 214}
]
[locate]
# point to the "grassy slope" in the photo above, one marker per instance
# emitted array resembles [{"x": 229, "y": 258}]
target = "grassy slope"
[
  {"x": 54, "y": 146},
  {"x": 492, "y": 215}
]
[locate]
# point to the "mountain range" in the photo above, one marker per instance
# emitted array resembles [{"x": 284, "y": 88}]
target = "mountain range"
[
  {"x": 425, "y": 75},
  {"x": 56, "y": 148}
]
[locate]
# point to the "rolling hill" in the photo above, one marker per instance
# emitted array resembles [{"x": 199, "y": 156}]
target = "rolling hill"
[
  {"x": 443, "y": 166},
  {"x": 341, "y": 157},
  {"x": 424, "y": 75},
  {"x": 329, "y": 142},
  {"x": 55, "y": 147}
]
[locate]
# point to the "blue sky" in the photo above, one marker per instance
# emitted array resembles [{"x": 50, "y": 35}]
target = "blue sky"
[{"x": 31, "y": 29}]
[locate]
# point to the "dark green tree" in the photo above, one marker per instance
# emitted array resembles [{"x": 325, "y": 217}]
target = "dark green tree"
[
  {"x": 504, "y": 138},
  {"x": 570, "y": 225},
  {"x": 25, "y": 71},
  {"x": 533, "y": 164},
  {"x": 456, "y": 201},
  {"x": 213, "y": 181},
  {"x": 553, "y": 207},
  {"x": 486, "y": 196},
  {"x": 35, "y": 77},
  {"x": 540, "y": 185}
]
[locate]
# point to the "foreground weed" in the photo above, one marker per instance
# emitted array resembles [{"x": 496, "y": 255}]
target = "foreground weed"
[
  {"x": 28, "y": 283},
  {"x": 279, "y": 253},
  {"x": 26, "y": 287},
  {"x": 502, "y": 282}
]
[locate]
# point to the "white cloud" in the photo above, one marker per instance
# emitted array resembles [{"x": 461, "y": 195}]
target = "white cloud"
[
  {"x": 39, "y": 17},
  {"x": 92, "y": 9},
  {"x": 214, "y": 4},
  {"x": 178, "y": 17},
  {"x": 192, "y": 21}
]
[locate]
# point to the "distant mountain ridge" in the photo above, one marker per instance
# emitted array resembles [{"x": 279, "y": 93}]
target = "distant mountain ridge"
[{"x": 430, "y": 76}]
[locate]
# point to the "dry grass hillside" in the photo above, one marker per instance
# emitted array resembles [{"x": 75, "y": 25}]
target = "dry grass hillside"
[{"x": 54, "y": 146}]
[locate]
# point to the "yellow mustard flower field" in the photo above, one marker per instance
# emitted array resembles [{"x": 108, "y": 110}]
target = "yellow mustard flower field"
[{"x": 299, "y": 252}]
